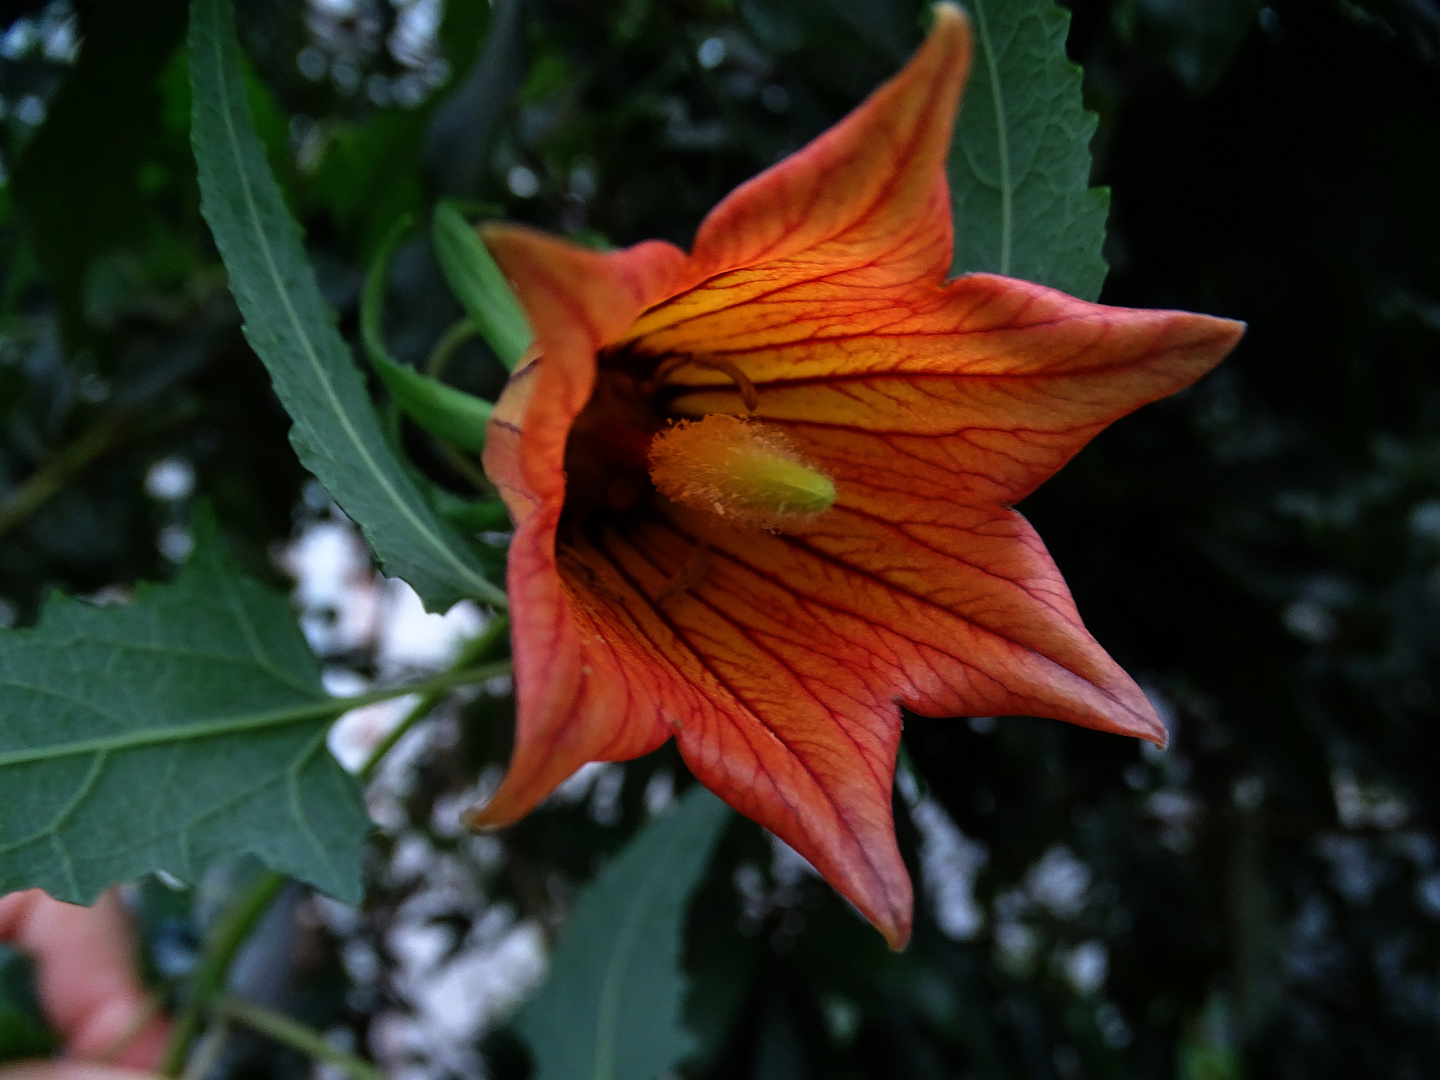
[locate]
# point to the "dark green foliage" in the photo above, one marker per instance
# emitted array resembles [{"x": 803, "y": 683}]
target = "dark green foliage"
[
  {"x": 23, "y": 1033},
  {"x": 167, "y": 734},
  {"x": 1020, "y": 167},
  {"x": 611, "y": 1008},
  {"x": 337, "y": 434},
  {"x": 105, "y": 116},
  {"x": 1261, "y": 552}
]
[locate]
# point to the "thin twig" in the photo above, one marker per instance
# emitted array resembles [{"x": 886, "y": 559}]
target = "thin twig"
[
  {"x": 72, "y": 459},
  {"x": 456, "y": 336},
  {"x": 225, "y": 941},
  {"x": 297, "y": 1036},
  {"x": 478, "y": 648}
]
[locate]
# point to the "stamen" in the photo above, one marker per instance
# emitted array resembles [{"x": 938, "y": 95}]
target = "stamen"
[
  {"x": 741, "y": 380},
  {"x": 672, "y": 364}
]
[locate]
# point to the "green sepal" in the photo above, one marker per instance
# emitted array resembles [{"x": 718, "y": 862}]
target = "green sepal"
[
  {"x": 471, "y": 515},
  {"x": 480, "y": 286},
  {"x": 445, "y": 412}
]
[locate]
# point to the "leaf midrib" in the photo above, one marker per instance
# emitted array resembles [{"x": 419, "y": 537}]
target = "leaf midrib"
[
  {"x": 608, "y": 1009},
  {"x": 243, "y": 722},
  {"x": 483, "y": 588},
  {"x": 1002, "y": 139}
]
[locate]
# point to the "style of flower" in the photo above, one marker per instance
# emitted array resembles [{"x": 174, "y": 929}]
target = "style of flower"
[{"x": 763, "y": 493}]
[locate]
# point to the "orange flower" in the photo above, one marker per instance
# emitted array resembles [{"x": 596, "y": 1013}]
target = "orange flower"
[{"x": 830, "y": 536}]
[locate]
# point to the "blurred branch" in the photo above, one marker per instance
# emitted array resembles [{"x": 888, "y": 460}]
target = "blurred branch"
[
  {"x": 62, "y": 468},
  {"x": 224, "y": 943},
  {"x": 297, "y": 1036},
  {"x": 479, "y": 648},
  {"x": 460, "y": 132},
  {"x": 208, "y": 1052},
  {"x": 133, "y": 402}
]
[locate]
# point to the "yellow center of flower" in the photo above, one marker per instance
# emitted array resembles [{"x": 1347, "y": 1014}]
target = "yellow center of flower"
[{"x": 741, "y": 470}]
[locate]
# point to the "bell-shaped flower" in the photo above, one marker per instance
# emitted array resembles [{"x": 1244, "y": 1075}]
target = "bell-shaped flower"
[{"x": 763, "y": 493}]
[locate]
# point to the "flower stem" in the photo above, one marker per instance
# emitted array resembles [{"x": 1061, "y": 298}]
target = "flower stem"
[
  {"x": 297, "y": 1036},
  {"x": 225, "y": 941},
  {"x": 461, "y": 332},
  {"x": 478, "y": 648},
  {"x": 239, "y": 922},
  {"x": 207, "y": 1051}
]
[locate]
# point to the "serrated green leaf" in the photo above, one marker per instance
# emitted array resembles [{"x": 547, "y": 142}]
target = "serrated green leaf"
[
  {"x": 611, "y": 1008},
  {"x": 186, "y": 727},
  {"x": 337, "y": 433},
  {"x": 480, "y": 286},
  {"x": 1020, "y": 161}
]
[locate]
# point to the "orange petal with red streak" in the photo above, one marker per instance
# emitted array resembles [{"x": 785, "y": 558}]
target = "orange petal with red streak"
[
  {"x": 574, "y": 701},
  {"x": 931, "y": 405}
]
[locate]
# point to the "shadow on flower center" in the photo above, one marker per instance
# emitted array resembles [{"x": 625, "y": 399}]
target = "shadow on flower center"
[{"x": 630, "y": 461}]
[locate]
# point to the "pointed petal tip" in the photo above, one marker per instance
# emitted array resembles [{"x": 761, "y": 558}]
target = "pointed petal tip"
[
  {"x": 947, "y": 13},
  {"x": 950, "y": 21},
  {"x": 1217, "y": 336},
  {"x": 1150, "y": 727},
  {"x": 476, "y": 820},
  {"x": 1231, "y": 330},
  {"x": 1132, "y": 713},
  {"x": 889, "y": 906},
  {"x": 897, "y": 935},
  {"x": 497, "y": 812},
  {"x": 1161, "y": 741}
]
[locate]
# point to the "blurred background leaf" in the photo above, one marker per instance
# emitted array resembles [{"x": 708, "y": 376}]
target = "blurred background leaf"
[
  {"x": 611, "y": 1005},
  {"x": 23, "y": 1032},
  {"x": 77, "y": 187}
]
